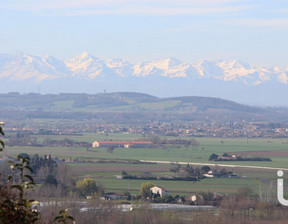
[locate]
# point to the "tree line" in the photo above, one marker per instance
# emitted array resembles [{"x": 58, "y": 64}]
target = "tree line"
[{"x": 24, "y": 139}]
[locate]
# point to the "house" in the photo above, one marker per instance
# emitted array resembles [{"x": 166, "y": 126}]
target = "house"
[
  {"x": 112, "y": 196},
  {"x": 191, "y": 198},
  {"x": 98, "y": 144},
  {"x": 211, "y": 173},
  {"x": 121, "y": 144},
  {"x": 159, "y": 190},
  {"x": 229, "y": 158}
]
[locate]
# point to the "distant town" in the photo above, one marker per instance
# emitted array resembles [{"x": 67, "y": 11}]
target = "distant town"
[{"x": 194, "y": 129}]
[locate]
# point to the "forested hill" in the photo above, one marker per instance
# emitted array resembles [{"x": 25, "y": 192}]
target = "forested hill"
[{"x": 122, "y": 101}]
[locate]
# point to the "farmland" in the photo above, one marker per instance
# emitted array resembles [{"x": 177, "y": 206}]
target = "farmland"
[
  {"x": 103, "y": 166},
  {"x": 275, "y": 148},
  {"x": 184, "y": 133}
]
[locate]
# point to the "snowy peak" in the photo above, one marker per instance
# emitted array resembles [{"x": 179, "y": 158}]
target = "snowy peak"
[
  {"x": 243, "y": 72},
  {"x": 83, "y": 57},
  {"x": 169, "y": 67},
  {"x": 208, "y": 69},
  {"x": 119, "y": 66},
  {"x": 167, "y": 63},
  {"x": 21, "y": 66},
  {"x": 86, "y": 65},
  {"x": 233, "y": 65}
]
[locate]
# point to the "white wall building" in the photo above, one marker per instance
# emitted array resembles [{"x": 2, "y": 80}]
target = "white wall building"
[{"x": 160, "y": 190}]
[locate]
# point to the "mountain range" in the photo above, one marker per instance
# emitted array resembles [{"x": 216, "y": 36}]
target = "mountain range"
[{"x": 233, "y": 80}]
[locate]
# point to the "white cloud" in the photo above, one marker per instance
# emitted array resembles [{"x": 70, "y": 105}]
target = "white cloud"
[{"x": 146, "y": 7}]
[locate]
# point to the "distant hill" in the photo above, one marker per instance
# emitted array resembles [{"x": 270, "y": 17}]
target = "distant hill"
[
  {"x": 119, "y": 101},
  {"x": 132, "y": 107}
]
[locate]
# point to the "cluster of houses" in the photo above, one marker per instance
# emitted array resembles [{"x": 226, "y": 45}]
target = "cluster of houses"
[
  {"x": 214, "y": 173},
  {"x": 159, "y": 192},
  {"x": 156, "y": 190}
]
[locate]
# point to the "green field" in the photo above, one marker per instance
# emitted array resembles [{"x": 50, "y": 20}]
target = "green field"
[
  {"x": 106, "y": 176},
  {"x": 182, "y": 154},
  {"x": 220, "y": 185}
]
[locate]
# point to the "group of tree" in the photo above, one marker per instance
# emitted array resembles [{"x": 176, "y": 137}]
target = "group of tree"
[
  {"x": 66, "y": 142},
  {"x": 182, "y": 173},
  {"x": 227, "y": 157},
  {"x": 189, "y": 171},
  {"x": 157, "y": 141},
  {"x": 89, "y": 187},
  {"x": 39, "y": 162},
  {"x": 15, "y": 206},
  {"x": 25, "y": 139}
]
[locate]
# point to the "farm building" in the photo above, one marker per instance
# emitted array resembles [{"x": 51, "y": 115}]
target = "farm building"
[
  {"x": 156, "y": 189},
  {"x": 211, "y": 173},
  {"x": 112, "y": 196},
  {"x": 125, "y": 144}
]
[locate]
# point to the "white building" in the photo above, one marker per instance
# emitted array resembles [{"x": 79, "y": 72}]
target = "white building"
[{"x": 156, "y": 189}]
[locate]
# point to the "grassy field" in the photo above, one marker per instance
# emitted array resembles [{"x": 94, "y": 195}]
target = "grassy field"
[
  {"x": 105, "y": 172},
  {"x": 182, "y": 154},
  {"x": 180, "y": 187}
]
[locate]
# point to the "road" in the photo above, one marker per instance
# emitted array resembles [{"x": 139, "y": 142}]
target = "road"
[{"x": 213, "y": 164}]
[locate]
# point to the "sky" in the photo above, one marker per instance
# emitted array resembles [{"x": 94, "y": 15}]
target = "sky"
[{"x": 254, "y": 31}]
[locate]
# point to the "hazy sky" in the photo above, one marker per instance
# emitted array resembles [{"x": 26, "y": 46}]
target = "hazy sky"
[{"x": 252, "y": 31}]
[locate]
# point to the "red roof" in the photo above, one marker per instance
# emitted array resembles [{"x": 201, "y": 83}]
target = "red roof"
[
  {"x": 113, "y": 142},
  {"x": 141, "y": 142},
  {"x": 125, "y": 142}
]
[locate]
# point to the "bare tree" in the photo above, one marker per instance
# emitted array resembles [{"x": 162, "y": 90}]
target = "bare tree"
[
  {"x": 64, "y": 175},
  {"x": 194, "y": 144}
]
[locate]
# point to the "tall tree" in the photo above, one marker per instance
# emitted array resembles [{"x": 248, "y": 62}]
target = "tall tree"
[
  {"x": 88, "y": 187},
  {"x": 145, "y": 189}
]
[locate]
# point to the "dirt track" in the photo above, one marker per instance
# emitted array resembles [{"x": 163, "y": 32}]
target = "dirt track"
[{"x": 214, "y": 164}]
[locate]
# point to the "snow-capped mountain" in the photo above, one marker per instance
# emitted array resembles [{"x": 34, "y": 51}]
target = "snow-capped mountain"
[
  {"x": 21, "y": 66},
  {"x": 85, "y": 72},
  {"x": 169, "y": 67},
  {"x": 86, "y": 65}
]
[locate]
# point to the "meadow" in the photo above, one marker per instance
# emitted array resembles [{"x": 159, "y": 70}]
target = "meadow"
[
  {"x": 173, "y": 154},
  {"x": 111, "y": 183},
  {"x": 103, "y": 166}
]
